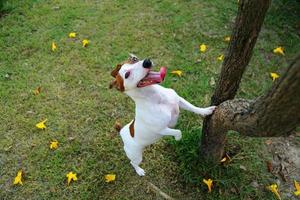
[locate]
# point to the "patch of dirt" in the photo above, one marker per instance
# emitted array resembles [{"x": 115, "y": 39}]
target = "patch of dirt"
[{"x": 285, "y": 163}]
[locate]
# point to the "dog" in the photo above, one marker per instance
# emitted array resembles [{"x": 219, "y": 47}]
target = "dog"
[{"x": 156, "y": 107}]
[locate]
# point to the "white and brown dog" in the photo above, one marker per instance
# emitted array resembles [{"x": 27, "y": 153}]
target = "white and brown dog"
[{"x": 156, "y": 107}]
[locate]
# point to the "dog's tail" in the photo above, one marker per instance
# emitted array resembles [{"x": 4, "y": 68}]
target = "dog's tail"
[{"x": 118, "y": 126}]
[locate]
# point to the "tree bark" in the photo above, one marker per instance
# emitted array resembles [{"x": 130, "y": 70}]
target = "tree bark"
[
  {"x": 276, "y": 113},
  {"x": 247, "y": 27},
  {"x": 248, "y": 23}
]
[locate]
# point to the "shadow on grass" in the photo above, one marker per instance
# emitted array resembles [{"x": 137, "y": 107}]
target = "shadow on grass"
[
  {"x": 245, "y": 176},
  {"x": 5, "y": 7}
]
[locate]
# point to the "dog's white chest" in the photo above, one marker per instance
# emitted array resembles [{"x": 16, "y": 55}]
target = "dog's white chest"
[
  {"x": 174, "y": 115},
  {"x": 162, "y": 112}
]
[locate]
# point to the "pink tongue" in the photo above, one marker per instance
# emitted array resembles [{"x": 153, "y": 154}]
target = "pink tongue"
[
  {"x": 163, "y": 71},
  {"x": 156, "y": 76}
]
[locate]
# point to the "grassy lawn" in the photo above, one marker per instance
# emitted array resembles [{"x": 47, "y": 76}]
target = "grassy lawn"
[{"x": 81, "y": 110}]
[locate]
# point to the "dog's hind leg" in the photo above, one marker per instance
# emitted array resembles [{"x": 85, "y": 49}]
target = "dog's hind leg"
[
  {"x": 184, "y": 104},
  {"x": 135, "y": 156}
]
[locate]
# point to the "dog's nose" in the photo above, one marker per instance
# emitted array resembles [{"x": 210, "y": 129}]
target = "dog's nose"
[{"x": 147, "y": 63}]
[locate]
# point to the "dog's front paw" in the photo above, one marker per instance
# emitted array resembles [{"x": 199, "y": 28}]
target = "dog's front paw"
[
  {"x": 208, "y": 111},
  {"x": 178, "y": 135}
]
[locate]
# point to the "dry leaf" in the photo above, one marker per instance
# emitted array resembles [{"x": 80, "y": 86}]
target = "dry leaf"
[
  {"x": 269, "y": 166},
  {"x": 243, "y": 167},
  {"x": 268, "y": 142},
  {"x": 37, "y": 91}
]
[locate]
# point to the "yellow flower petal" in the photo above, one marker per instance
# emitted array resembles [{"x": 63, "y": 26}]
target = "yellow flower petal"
[
  {"x": 227, "y": 38},
  {"x": 225, "y": 158},
  {"x": 71, "y": 177},
  {"x": 53, "y": 46},
  {"x": 274, "y": 188},
  {"x": 85, "y": 43},
  {"x": 54, "y": 145},
  {"x": 202, "y": 48},
  {"x": 297, "y": 186},
  {"x": 110, "y": 178},
  {"x": 274, "y": 76},
  {"x": 221, "y": 57},
  {"x": 41, "y": 125},
  {"x": 177, "y": 72},
  {"x": 209, "y": 184},
  {"x": 18, "y": 178},
  {"x": 279, "y": 50},
  {"x": 72, "y": 35}
]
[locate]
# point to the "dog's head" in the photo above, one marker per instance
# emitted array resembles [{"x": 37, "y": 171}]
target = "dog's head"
[{"x": 135, "y": 73}]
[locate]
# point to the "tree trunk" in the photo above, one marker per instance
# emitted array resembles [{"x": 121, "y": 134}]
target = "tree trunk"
[
  {"x": 247, "y": 27},
  {"x": 276, "y": 113},
  {"x": 249, "y": 20}
]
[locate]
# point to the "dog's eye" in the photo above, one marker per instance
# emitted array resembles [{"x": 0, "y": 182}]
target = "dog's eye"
[{"x": 127, "y": 74}]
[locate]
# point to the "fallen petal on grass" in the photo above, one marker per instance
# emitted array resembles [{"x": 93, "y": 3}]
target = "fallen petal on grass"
[
  {"x": 297, "y": 186},
  {"x": 274, "y": 76},
  {"x": 227, "y": 39},
  {"x": 177, "y": 72},
  {"x": 202, "y": 48},
  {"x": 209, "y": 184},
  {"x": 53, "y": 46},
  {"x": 53, "y": 145},
  {"x": 18, "y": 178},
  {"x": 71, "y": 177},
  {"x": 41, "y": 125},
  {"x": 110, "y": 178},
  {"x": 279, "y": 50},
  {"x": 72, "y": 35},
  {"x": 220, "y": 58},
  {"x": 274, "y": 189},
  {"x": 85, "y": 43}
]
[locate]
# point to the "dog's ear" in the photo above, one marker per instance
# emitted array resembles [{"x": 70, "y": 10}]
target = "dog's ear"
[
  {"x": 112, "y": 84},
  {"x": 115, "y": 72},
  {"x": 118, "y": 83}
]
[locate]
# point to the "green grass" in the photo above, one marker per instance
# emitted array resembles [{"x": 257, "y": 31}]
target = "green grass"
[{"x": 81, "y": 110}]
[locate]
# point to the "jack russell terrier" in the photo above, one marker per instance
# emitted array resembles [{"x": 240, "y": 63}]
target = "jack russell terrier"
[{"x": 156, "y": 107}]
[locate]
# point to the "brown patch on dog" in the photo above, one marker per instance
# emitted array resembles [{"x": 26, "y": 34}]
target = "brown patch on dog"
[
  {"x": 131, "y": 128},
  {"x": 118, "y": 126},
  {"x": 115, "y": 72},
  {"x": 118, "y": 83}
]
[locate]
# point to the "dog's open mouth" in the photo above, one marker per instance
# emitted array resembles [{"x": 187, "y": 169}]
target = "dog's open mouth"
[{"x": 153, "y": 77}]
